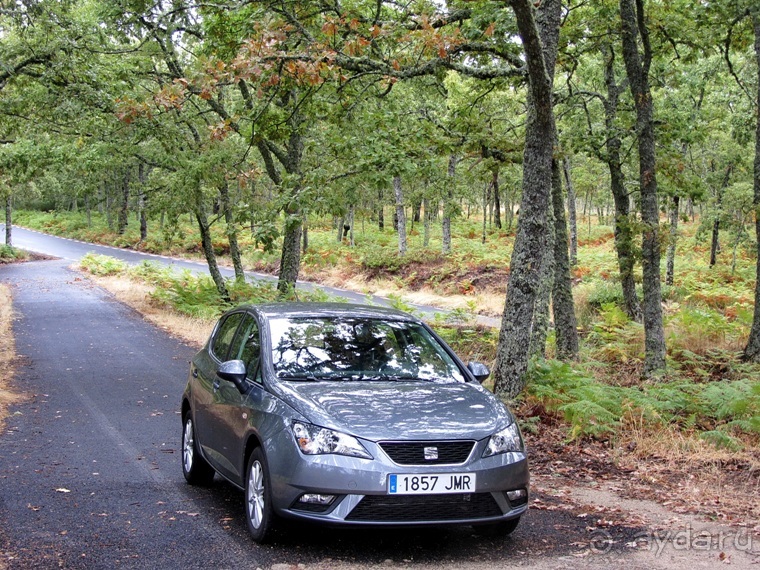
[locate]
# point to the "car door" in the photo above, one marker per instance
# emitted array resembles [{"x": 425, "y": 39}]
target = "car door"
[
  {"x": 207, "y": 384},
  {"x": 230, "y": 409}
]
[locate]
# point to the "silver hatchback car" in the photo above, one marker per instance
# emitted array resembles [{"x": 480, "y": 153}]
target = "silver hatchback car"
[{"x": 349, "y": 415}]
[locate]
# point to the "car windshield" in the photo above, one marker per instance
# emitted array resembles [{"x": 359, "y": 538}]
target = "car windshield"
[{"x": 358, "y": 349}]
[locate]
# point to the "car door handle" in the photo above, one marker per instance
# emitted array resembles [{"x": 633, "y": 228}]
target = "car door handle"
[
  {"x": 216, "y": 385},
  {"x": 195, "y": 373}
]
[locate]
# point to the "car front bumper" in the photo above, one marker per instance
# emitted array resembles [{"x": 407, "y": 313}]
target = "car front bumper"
[{"x": 359, "y": 488}]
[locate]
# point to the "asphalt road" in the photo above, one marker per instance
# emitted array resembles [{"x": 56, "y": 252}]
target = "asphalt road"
[
  {"x": 73, "y": 250},
  {"x": 90, "y": 472}
]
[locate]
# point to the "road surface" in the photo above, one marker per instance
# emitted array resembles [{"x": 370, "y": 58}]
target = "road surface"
[{"x": 90, "y": 472}]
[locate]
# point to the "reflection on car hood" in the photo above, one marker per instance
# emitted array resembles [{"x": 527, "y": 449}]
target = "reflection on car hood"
[{"x": 400, "y": 410}]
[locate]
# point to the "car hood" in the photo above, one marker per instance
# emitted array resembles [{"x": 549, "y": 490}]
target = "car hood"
[{"x": 400, "y": 410}]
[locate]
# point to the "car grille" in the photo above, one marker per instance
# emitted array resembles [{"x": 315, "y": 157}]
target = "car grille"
[
  {"x": 413, "y": 452},
  {"x": 421, "y": 508}
]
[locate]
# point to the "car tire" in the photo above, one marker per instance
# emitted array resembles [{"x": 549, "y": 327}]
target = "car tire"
[
  {"x": 499, "y": 529},
  {"x": 195, "y": 468},
  {"x": 259, "y": 514}
]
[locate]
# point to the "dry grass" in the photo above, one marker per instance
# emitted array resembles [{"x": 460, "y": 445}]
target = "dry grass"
[
  {"x": 138, "y": 296},
  {"x": 7, "y": 354},
  {"x": 485, "y": 303},
  {"x": 688, "y": 474}
]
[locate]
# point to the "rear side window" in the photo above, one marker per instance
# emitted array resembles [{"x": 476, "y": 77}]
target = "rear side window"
[{"x": 224, "y": 335}]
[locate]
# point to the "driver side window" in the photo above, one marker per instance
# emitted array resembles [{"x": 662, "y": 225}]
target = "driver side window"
[
  {"x": 224, "y": 336},
  {"x": 247, "y": 347}
]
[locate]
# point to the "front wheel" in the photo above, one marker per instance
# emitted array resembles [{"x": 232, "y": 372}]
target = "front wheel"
[
  {"x": 195, "y": 469},
  {"x": 258, "y": 498},
  {"x": 499, "y": 529}
]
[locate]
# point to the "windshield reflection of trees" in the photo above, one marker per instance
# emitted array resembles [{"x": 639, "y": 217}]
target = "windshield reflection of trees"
[{"x": 356, "y": 349}]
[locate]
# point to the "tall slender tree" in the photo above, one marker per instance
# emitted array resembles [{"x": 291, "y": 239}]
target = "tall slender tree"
[
  {"x": 637, "y": 64},
  {"x": 532, "y": 228},
  {"x": 752, "y": 350}
]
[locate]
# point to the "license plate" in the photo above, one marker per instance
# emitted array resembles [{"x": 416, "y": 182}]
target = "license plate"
[{"x": 431, "y": 484}]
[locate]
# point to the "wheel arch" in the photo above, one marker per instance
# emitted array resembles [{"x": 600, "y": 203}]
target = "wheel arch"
[
  {"x": 253, "y": 442},
  {"x": 185, "y": 409}
]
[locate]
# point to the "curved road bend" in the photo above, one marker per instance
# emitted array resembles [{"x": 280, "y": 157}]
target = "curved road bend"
[
  {"x": 73, "y": 250},
  {"x": 90, "y": 472}
]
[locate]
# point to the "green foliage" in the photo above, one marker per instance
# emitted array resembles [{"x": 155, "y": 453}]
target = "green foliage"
[
  {"x": 381, "y": 258},
  {"x": 191, "y": 294},
  {"x": 591, "y": 408},
  {"x": 152, "y": 273},
  {"x": 614, "y": 337},
  {"x": 397, "y": 302},
  {"x": 103, "y": 265},
  {"x": 606, "y": 293},
  {"x": 472, "y": 342},
  {"x": 9, "y": 254},
  {"x": 718, "y": 410}
]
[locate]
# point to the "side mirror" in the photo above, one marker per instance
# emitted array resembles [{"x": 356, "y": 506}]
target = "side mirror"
[
  {"x": 233, "y": 371},
  {"x": 479, "y": 370}
]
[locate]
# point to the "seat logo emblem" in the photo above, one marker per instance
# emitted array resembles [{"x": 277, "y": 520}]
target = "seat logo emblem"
[{"x": 431, "y": 453}]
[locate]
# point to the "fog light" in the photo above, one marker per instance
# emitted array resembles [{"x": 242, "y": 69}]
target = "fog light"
[
  {"x": 314, "y": 499},
  {"x": 517, "y": 497}
]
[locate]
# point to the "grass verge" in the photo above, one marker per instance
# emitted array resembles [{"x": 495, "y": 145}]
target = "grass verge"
[{"x": 7, "y": 354}]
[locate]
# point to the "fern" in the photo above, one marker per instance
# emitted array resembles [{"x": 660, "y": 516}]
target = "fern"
[{"x": 102, "y": 265}]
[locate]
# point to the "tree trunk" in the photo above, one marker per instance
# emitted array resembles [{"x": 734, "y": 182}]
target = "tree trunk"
[
  {"x": 290, "y": 157},
  {"x": 539, "y": 330},
  {"x": 486, "y": 187},
  {"x": 9, "y": 221},
  {"x": 400, "y": 214},
  {"x": 510, "y": 210},
  {"x": 290, "y": 261},
  {"x": 752, "y": 350},
  {"x": 229, "y": 219},
  {"x": 496, "y": 198},
  {"x": 417, "y": 209},
  {"x": 426, "y": 227},
  {"x": 715, "y": 243},
  {"x": 555, "y": 273},
  {"x": 208, "y": 252},
  {"x": 670, "y": 262},
  {"x": 532, "y": 227},
  {"x": 448, "y": 206},
  {"x": 108, "y": 204},
  {"x": 142, "y": 204},
  {"x": 623, "y": 225},
  {"x": 123, "y": 217},
  {"x": 305, "y": 235},
  {"x": 571, "y": 213},
  {"x": 563, "y": 305},
  {"x": 380, "y": 211},
  {"x": 351, "y": 241},
  {"x": 637, "y": 69}
]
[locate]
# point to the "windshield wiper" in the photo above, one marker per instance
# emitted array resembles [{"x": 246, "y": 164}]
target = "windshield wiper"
[
  {"x": 389, "y": 378},
  {"x": 299, "y": 377}
]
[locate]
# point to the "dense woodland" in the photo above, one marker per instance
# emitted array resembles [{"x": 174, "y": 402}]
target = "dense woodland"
[{"x": 261, "y": 118}]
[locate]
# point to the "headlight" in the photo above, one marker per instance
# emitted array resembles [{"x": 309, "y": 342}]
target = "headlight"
[
  {"x": 506, "y": 440},
  {"x": 314, "y": 440}
]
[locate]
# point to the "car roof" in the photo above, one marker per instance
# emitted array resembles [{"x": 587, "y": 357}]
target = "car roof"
[{"x": 304, "y": 309}]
